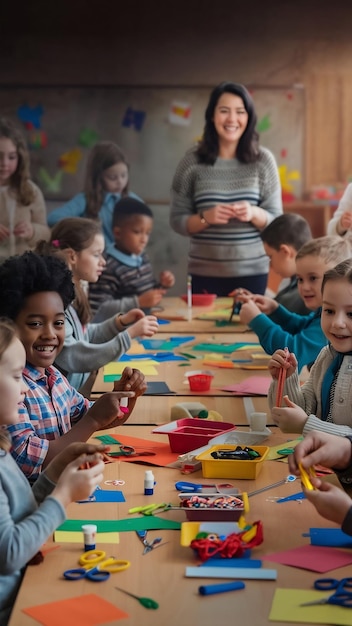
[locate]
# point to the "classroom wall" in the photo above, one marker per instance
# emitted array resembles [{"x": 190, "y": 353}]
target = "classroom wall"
[{"x": 199, "y": 42}]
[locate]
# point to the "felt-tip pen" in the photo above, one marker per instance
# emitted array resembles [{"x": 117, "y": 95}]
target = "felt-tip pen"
[{"x": 207, "y": 590}]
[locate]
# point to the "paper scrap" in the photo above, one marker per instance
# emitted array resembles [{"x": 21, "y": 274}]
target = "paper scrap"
[{"x": 88, "y": 609}]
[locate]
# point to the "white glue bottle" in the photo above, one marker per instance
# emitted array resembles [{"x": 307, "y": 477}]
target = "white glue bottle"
[{"x": 149, "y": 483}]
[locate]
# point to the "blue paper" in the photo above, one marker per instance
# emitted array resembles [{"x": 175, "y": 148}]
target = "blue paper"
[
  {"x": 105, "y": 495},
  {"x": 234, "y": 562}
]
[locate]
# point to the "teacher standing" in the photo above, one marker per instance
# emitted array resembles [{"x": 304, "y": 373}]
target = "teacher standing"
[{"x": 224, "y": 192}]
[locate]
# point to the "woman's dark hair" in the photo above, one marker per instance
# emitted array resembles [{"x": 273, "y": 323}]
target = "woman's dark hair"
[
  {"x": 29, "y": 273},
  {"x": 247, "y": 149}
]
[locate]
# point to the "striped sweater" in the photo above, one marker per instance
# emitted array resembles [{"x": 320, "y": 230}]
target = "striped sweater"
[
  {"x": 234, "y": 249},
  {"x": 120, "y": 280}
]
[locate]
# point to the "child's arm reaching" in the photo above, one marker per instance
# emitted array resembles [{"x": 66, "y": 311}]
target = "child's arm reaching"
[
  {"x": 334, "y": 452},
  {"x": 166, "y": 279}
]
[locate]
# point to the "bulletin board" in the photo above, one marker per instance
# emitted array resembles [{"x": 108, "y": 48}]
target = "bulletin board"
[{"x": 154, "y": 126}]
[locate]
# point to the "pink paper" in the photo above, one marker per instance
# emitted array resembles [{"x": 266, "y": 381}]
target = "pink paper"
[
  {"x": 252, "y": 386},
  {"x": 319, "y": 559}
]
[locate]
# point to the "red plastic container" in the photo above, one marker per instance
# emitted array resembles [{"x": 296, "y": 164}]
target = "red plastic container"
[
  {"x": 199, "y": 380},
  {"x": 192, "y": 433},
  {"x": 201, "y": 299}
]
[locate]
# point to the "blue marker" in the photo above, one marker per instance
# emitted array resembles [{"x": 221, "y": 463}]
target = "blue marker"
[{"x": 207, "y": 590}]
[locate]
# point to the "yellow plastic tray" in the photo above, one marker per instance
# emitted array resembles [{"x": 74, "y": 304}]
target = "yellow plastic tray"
[{"x": 230, "y": 468}]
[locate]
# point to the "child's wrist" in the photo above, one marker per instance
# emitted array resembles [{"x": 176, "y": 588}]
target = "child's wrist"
[{"x": 120, "y": 322}]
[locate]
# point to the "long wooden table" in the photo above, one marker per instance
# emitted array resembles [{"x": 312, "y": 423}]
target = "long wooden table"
[
  {"x": 161, "y": 573},
  {"x": 157, "y": 409},
  {"x": 175, "y": 311}
]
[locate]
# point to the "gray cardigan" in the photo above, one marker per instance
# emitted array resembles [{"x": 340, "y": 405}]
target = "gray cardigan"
[{"x": 308, "y": 396}]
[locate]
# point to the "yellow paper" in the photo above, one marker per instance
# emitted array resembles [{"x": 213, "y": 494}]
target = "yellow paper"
[
  {"x": 136, "y": 348},
  {"x": 285, "y": 608},
  {"x": 145, "y": 366},
  {"x": 273, "y": 455},
  {"x": 63, "y": 536}
]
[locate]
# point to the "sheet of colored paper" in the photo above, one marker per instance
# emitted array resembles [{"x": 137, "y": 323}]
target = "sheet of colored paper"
[
  {"x": 146, "y": 367},
  {"x": 273, "y": 452},
  {"x": 286, "y": 608},
  {"x": 314, "y": 558},
  {"x": 88, "y": 609},
  {"x": 145, "y": 522},
  {"x": 163, "y": 455},
  {"x": 135, "y": 348},
  {"x": 224, "y": 364},
  {"x": 252, "y": 386},
  {"x": 107, "y": 495},
  {"x": 63, "y": 536}
]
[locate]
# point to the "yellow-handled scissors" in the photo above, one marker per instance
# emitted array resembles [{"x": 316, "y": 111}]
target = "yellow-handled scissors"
[{"x": 96, "y": 567}]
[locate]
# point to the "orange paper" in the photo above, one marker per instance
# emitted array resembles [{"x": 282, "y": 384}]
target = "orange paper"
[
  {"x": 163, "y": 455},
  {"x": 89, "y": 610}
]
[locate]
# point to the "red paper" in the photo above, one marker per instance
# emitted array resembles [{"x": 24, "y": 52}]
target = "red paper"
[
  {"x": 252, "y": 386},
  {"x": 163, "y": 455},
  {"x": 89, "y": 610},
  {"x": 319, "y": 559}
]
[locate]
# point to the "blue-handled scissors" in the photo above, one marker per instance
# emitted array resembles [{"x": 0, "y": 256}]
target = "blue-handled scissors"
[
  {"x": 342, "y": 595},
  {"x": 96, "y": 567}
]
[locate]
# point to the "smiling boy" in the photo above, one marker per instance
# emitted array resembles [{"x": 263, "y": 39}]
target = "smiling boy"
[
  {"x": 35, "y": 292},
  {"x": 275, "y": 326}
]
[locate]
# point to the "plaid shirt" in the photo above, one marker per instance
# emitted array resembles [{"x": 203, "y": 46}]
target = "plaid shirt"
[{"x": 49, "y": 409}]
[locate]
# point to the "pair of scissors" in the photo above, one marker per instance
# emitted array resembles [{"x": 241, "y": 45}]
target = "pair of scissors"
[
  {"x": 187, "y": 487},
  {"x": 96, "y": 567},
  {"x": 342, "y": 595},
  {"x": 129, "y": 451}
]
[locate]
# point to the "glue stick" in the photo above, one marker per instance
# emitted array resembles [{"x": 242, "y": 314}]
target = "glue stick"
[
  {"x": 89, "y": 531},
  {"x": 149, "y": 483}
]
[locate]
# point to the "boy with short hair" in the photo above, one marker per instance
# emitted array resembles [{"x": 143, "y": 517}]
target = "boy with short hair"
[
  {"x": 35, "y": 291},
  {"x": 128, "y": 271},
  {"x": 276, "y": 326},
  {"x": 282, "y": 239}
]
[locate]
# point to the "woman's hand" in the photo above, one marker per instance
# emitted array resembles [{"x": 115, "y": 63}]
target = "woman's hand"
[
  {"x": 244, "y": 211},
  {"x": 319, "y": 448},
  {"x": 4, "y": 232},
  {"x": 329, "y": 500},
  {"x": 24, "y": 230},
  {"x": 219, "y": 214},
  {"x": 290, "y": 419},
  {"x": 345, "y": 221}
]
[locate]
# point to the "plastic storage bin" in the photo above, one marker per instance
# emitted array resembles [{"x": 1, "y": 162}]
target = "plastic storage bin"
[
  {"x": 212, "y": 514},
  {"x": 192, "y": 433},
  {"x": 199, "y": 380},
  {"x": 230, "y": 468}
]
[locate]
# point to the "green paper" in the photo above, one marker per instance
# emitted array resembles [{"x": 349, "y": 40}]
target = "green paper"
[
  {"x": 110, "y": 378},
  {"x": 108, "y": 439},
  {"x": 150, "y": 522}
]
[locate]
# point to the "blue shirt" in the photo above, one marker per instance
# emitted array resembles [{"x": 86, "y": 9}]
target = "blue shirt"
[{"x": 76, "y": 207}]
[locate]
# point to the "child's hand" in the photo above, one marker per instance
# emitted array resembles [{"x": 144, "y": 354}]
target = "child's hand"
[
  {"x": 346, "y": 220},
  {"x": 128, "y": 318},
  {"x": 167, "y": 279},
  {"x": 240, "y": 292},
  {"x": 131, "y": 380},
  {"x": 319, "y": 448},
  {"x": 279, "y": 361},
  {"x": 249, "y": 310},
  {"x": 76, "y": 483},
  {"x": 24, "y": 230},
  {"x": 265, "y": 304},
  {"x": 150, "y": 298},
  {"x": 289, "y": 419},
  {"x": 106, "y": 413},
  {"x": 69, "y": 454},
  {"x": 145, "y": 327},
  {"x": 329, "y": 500}
]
